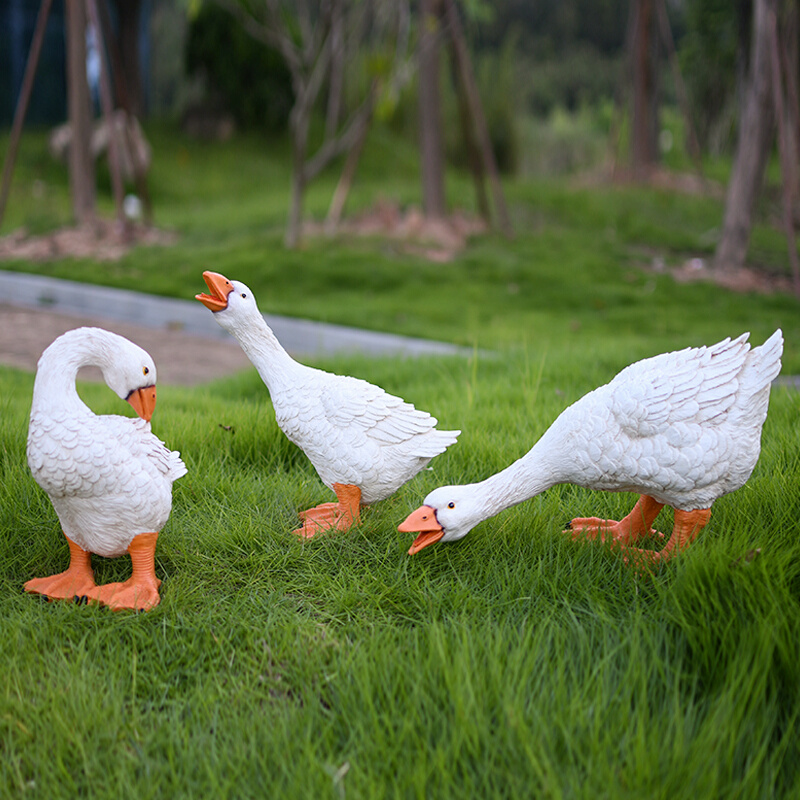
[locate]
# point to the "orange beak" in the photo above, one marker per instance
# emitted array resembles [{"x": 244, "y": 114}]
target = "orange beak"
[
  {"x": 143, "y": 401},
  {"x": 220, "y": 287},
  {"x": 424, "y": 521}
]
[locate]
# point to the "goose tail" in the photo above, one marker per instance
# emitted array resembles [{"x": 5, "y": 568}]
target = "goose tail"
[
  {"x": 436, "y": 442},
  {"x": 763, "y": 363}
]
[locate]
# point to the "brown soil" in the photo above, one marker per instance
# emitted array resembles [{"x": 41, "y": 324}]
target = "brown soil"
[
  {"x": 180, "y": 358},
  {"x": 101, "y": 240},
  {"x": 438, "y": 240}
]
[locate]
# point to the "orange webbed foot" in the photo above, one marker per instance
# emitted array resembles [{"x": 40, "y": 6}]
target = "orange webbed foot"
[
  {"x": 132, "y": 594},
  {"x": 75, "y": 582},
  {"x": 65, "y": 585},
  {"x": 140, "y": 591},
  {"x": 688, "y": 525},
  {"x": 635, "y": 526},
  {"x": 327, "y": 517},
  {"x": 607, "y": 530},
  {"x": 340, "y": 516}
]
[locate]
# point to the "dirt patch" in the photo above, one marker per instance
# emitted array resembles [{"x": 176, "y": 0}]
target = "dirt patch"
[
  {"x": 689, "y": 183},
  {"x": 438, "y": 240},
  {"x": 181, "y": 359},
  {"x": 101, "y": 240},
  {"x": 742, "y": 279}
]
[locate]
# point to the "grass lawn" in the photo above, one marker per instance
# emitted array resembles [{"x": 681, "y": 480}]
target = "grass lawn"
[{"x": 515, "y": 663}]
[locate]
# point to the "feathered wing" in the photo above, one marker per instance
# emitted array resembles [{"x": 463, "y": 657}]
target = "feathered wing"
[
  {"x": 73, "y": 457},
  {"x": 684, "y": 388},
  {"x": 144, "y": 446},
  {"x": 689, "y": 423},
  {"x": 354, "y": 432},
  {"x": 384, "y": 418}
]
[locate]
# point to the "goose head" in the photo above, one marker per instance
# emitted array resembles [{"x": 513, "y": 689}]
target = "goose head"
[
  {"x": 231, "y": 301},
  {"x": 448, "y": 514},
  {"x": 131, "y": 374}
]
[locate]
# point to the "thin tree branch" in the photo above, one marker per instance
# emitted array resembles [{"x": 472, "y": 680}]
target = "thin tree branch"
[{"x": 22, "y": 102}]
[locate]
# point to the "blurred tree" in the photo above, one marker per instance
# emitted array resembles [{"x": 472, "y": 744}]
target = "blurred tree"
[
  {"x": 755, "y": 139},
  {"x": 431, "y": 135},
  {"x": 769, "y": 104},
  {"x": 643, "y": 54},
  {"x": 81, "y": 163},
  {"x": 126, "y": 42},
  {"x": 713, "y": 57},
  {"x": 317, "y": 41}
]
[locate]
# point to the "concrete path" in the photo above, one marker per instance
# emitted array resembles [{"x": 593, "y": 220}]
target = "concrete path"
[{"x": 299, "y": 337}]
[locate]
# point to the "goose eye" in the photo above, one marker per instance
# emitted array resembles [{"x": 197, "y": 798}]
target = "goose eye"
[
  {"x": 244, "y": 295},
  {"x": 451, "y": 505},
  {"x": 145, "y": 370}
]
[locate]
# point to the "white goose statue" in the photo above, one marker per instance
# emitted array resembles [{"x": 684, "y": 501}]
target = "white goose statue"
[
  {"x": 363, "y": 442},
  {"x": 108, "y": 477},
  {"x": 680, "y": 429}
]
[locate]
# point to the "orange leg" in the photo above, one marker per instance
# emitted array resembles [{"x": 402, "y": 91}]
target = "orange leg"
[
  {"x": 687, "y": 525},
  {"x": 77, "y": 580},
  {"x": 140, "y": 591},
  {"x": 339, "y": 516},
  {"x": 635, "y": 526}
]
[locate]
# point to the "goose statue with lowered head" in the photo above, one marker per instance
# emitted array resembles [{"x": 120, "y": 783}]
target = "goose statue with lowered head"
[{"x": 680, "y": 429}]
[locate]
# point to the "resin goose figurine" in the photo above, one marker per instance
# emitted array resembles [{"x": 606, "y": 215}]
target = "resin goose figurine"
[
  {"x": 363, "y": 442},
  {"x": 108, "y": 477},
  {"x": 681, "y": 429}
]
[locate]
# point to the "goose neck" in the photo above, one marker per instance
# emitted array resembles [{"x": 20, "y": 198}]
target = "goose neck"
[
  {"x": 263, "y": 349},
  {"x": 58, "y": 367},
  {"x": 525, "y": 478}
]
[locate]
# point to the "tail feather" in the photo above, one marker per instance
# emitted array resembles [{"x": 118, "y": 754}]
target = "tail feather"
[
  {"x": 761, "y": 367},
  {"x": 763, "y": 364},
  {"x": 435, "y": 443}
]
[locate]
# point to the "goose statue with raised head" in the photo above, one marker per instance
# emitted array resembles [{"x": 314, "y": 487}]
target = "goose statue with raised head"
[
  {"x": 680, "y": 429},
  {"x": 108, "y": 477},
  {"x": 363, "y": 442}
]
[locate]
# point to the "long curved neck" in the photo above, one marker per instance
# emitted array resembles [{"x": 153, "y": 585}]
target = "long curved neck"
[
  {"x": 525, "y": 478},
  {"x": 58, "y": 369},
  {"x": 264, "y": 350}
]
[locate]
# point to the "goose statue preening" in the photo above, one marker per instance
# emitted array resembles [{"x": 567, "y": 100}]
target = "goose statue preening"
[
  {"x": 109, "y": 478},
  {"x": 363, "y": 442},
  {"x": 680, "y": 429}
]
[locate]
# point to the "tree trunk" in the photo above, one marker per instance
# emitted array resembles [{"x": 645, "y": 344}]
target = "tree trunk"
[
  {"x": 473, "y": 151},
  {"x": 756, "y": 126},
  {"x": 430, "y": 111},
  {"x": 645, "y": 126},
  {"x": 129, "y": 14},
  {"x": 81, "y": 164},
  {"x": 348, "y": 174},
  {"x": 336, "y": 81},
  {"x": 298, "y": 123},
  {"x": 478, "y": 117}
]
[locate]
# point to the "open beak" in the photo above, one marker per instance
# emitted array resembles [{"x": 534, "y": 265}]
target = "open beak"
[
  {"x": 143, "y": 401},
  {"x": 220, "y": 287},
  {"x": 424, "y": 522}
]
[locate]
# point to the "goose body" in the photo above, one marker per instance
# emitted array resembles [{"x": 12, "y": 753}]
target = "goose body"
[
  {"x": 680, "y": 429},
  {"x": 108, "y": 477},
  {"x": 363, "y": 442}
]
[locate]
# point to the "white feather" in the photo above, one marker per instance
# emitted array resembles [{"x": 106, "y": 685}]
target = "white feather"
[
  {"x": 108, "y": 477},
  {"x": 682, "y": 427},
  {"x": 352, "y": 431}
]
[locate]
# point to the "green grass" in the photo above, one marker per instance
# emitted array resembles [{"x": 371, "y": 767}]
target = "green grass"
[{"x": 515, "y": 663}]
